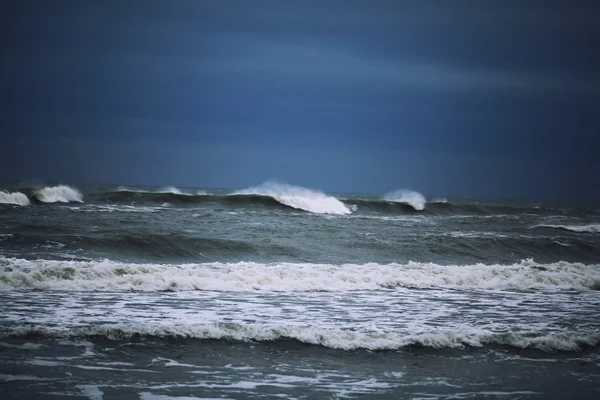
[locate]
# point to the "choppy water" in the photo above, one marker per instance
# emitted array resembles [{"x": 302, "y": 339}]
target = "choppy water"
[{"x": 279, "y": 291}]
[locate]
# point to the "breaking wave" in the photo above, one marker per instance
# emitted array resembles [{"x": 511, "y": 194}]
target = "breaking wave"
[
  {"x": 287, "y": 277},
  {"x": 298, "y": 197},
  {"x": 50, "y": 194},
  {"x": 413, "y": 199},
  {"x": 331, "y": 338},
  {"x": 16, "y": 198},
  {"x": 592, "y": 228},
  {"x": 283, "y": 196},
  {"x": 61, "y": 193}
]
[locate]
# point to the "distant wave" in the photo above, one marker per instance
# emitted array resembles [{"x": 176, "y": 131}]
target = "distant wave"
[
  {"x": 405, "y": 206},
  {"x": 331, "y": 338},
  {"x": 286, "y": 277},
  {"x": 16, "y": 198},
  {"x": 282, "y": 196},
  {"x": 50, "y": 194},
  {"x": 159, "y": 198},
  {"x": 592, "y": 228},
  {"x": 298, "y": 197},
  {"x": 438, "y": 200},
  {"x": 126, "y": 189},
  {"x": 170, "y": 189},
  {"x": 166, "y": 189},
  {"x": 412, "y": 198}
]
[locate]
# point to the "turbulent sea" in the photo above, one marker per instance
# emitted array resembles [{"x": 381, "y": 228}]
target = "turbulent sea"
[{"x": 285, "y": 292}]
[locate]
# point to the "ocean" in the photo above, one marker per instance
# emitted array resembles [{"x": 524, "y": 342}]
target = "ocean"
[{"x": 278, "y": 291}]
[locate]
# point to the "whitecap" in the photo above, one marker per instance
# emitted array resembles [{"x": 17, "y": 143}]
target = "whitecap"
[
  {"x": 16, "y": 198},
  {"x": 60, "y": 193},
  {"x": 414, "y": 199},
  {"x": 298, "y": 197}
]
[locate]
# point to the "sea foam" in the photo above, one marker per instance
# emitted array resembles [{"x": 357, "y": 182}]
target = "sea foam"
[
  {"x": 298, "y": 197},
  {"x": 288, "y": 277},
  {"x": 16, "y": 198},
  {"x": 410, "y": 197}
]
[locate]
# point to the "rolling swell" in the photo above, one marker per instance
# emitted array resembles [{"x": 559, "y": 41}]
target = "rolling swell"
[
  {"x": 361, "y": 205},
  {"x": 383, "y": 206},
  {"x": 180, "y": 199},
  {"x": 175, "y": 246},
  {"x": 169, "y": 245},
  {"x": 459, "y": 208},
  {"x": 331, "y": 338},
  {"x": 144, "y": 245},
  {"x": 504, "y": 248}
]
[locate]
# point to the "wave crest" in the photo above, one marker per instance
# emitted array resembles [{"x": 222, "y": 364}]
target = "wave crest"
[
  {"x": 298, "y": 197},
  {"x": 288, "y": 277},
  {"x": 16, "y": 198},
  {"x": 410, "y": 197}
]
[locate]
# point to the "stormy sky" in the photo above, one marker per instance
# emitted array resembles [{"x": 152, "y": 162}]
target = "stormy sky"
[{"x": 450, "y": 98}]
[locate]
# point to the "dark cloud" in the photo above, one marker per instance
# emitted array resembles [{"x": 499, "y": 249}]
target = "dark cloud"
[{"x": 492, "y": 96}]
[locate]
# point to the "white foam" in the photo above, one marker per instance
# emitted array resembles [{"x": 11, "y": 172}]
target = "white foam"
[
  {"x": 592, "y": 228},
  {"x": 439, "y": 200},
  {"x": 458, "y": 337},
  {"x": 172, "y": 363},
  {"x": 43, "y": 363},
  {"x": 299, "y": 197},
  {"x": 24, "y": 346},
  {"x": 410, "y": 197},
  {"x": 91, "y": 391},
  {"x": 61, "y": 193},
  {"x": 247, "y": 276},
  {"x": 16, "y": 198},
  {"x": 4, "y": 236},
  {"x": 472, "y": 234},
  {"x": 120, "y": 208},
  {"x": 170, "y": 189}
]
